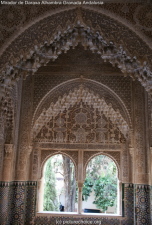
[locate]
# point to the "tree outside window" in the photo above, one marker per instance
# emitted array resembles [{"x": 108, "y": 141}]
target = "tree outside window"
[{"x": 99, "y": 189}]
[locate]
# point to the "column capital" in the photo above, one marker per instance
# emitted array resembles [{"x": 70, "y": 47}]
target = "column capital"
[
  {"x": 131, "y": 151},
  {"x": 8, "y": 149},
  {"x": 30, "y": 148}
]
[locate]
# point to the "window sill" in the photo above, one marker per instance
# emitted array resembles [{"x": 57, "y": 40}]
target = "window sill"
[{"x": 75, "y": 214}]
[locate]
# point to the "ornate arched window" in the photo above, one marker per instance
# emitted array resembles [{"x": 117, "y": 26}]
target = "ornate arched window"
[
  {"x": 58, "y": 185},
  {"x": 101, "y": 186},
  {"x": 82, "y": 123},
  {"x": 59, "y": 192}
]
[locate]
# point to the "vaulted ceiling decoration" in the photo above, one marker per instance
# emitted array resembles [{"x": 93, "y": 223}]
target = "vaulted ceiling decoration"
[
  {"x": 40, "y": 56},
  {"x": 49, "y": 46},
  {"x": 82, "y": 99}
]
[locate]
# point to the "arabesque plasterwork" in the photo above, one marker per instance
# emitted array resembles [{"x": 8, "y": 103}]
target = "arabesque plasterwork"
[
  {"x": 80, "y": 113},
  {"x": 54, "y": 123},
  {"x": 92, "y": 38}
]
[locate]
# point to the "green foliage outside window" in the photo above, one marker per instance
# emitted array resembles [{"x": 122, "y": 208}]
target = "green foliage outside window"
[
  {"x": 101, "y": 177},
  {"x": 87, "y": 188},
  {"x": 50, "y": 196},
  {"x": 105, "y": 189}
]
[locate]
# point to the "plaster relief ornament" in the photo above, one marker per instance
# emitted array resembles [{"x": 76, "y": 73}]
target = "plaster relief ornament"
[
  {"x": 80, "y": 117},
  {"x": 40, "y": 55}
]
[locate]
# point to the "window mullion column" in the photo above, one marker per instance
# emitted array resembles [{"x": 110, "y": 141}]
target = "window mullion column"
[{"x": 80, "y": 180}]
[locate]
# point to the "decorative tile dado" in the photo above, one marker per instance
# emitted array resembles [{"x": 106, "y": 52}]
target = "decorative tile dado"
[
  {"x": 20, "y": 199},
  {"x": 5, "y": 203},
  {"x": 151, "y": 201},
  {"x": 30, "y": 208},
  {"x": 142, "y": 204},
  {"x": 15, "y": 199},
  {"x": 129, "y": 200}
]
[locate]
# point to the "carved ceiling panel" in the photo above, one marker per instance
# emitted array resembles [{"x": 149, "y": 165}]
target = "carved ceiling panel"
[
  {"x": 48, "y": 38},
  {"x": 25, "y": 54},
  {"x": 14, "y": 19},
  {"x": 118, "y": 34},
  {"x": 41, "y": 55},
  {"x": 79, "y": 62}
]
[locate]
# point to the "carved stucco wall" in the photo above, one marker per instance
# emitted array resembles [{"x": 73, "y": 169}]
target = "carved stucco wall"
[
  {"x": 131, "y": 155},
  {"x": 39, "y": 87},
  {"x": 87, "y": 18},
  {"x": 26, "y": 139},
  {"x": 24, "y": 149},
  {"x": 60, "y": 91},
  {"x": 40, "y": 151},
  {"x": 2, "y": 141},
  {"x": 76, "y": 63},
  {"x": 141, "y": 162},
  {"x": 20, "y": 17}
]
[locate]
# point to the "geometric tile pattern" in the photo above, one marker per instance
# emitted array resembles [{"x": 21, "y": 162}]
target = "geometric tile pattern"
[
  {"x": 128, "y": 204},
  {"x": 4, "y": 203},
  {"x": 142, "y": 198},
  {"x": 30, "y": 202},
  {"x": 129, "y": 200},
  {"x": 17, "y": 202},
  {"x": 18, "y": 205}
]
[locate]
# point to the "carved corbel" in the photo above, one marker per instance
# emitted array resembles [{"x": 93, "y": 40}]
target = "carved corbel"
[
  {"x": 8, "y": 149},
  {"x": 148, "y": 88},
  {"x": 7, "y": 162},
  {"x": 131, "y": 151},
  {"x": 29, "y": 150}
]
